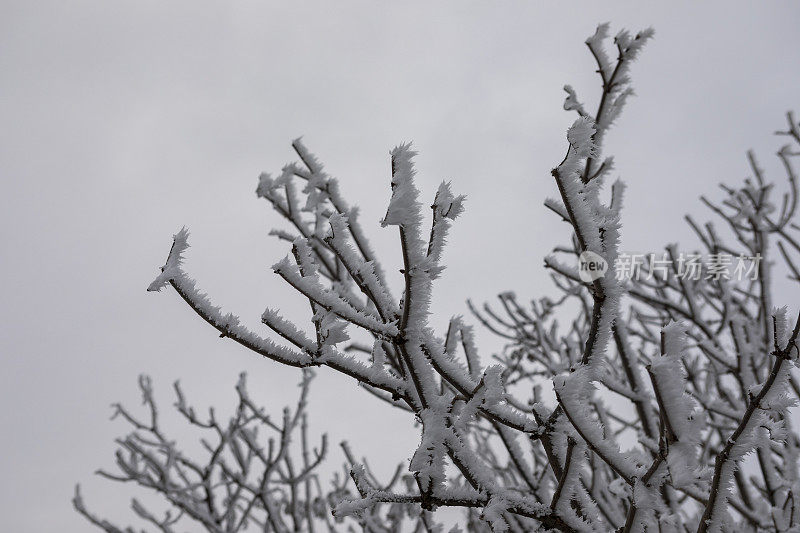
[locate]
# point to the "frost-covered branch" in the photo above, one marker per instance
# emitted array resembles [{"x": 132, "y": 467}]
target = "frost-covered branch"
[
  {"x": 664, "y": 381},
  {"x": 258, "y": 473},
  {"x": 243, "y": 480},
  {"x": 704, "y": 336}
]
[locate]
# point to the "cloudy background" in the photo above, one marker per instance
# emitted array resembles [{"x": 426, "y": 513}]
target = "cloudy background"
[{"x": 123, "y": 121}]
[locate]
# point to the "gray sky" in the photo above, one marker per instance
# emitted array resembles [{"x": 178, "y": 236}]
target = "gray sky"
[{"x": 123, "y": 121}]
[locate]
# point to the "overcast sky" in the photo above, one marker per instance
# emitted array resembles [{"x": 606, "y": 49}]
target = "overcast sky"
[{"x": 123, "y": 121}]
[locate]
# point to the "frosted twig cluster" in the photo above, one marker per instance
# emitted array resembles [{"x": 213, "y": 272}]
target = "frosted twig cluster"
[
  {"x": 242, "y": 479},
  {"x": 663, "y": 387},
  {"x": 257, "y": 473}
]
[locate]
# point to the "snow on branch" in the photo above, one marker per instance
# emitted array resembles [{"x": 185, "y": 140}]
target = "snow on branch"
[{"x": 664, "y": 384}]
